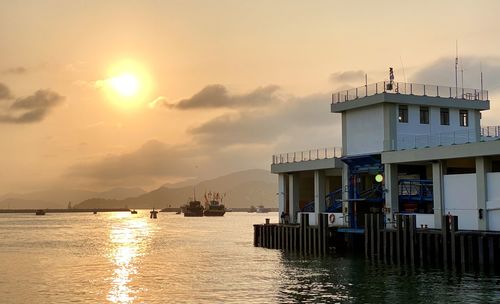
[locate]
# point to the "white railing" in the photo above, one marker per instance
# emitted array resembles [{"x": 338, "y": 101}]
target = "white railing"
[
  {"x": 405, "y": 142},
  {"x": 300, "y": 156},
  {"x": 410, "y": 89},
  {"x": 490, "y": 131}
]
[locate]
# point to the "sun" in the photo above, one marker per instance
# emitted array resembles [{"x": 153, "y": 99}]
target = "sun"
[{"x": 125, "y": 84}]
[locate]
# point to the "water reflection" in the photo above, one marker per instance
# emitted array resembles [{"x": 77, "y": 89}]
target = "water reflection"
[{"x": 128, "y": 240}]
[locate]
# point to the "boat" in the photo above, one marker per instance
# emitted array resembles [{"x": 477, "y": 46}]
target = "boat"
[
  {"x": 133, "y": 211},
  {"x": 252, "y": 209},
  {"x": 214, "y": 208},
  {"x": 262, "y": 209},
  {"x": 39, "y": 212},
  {"x": 193, "y": 209}
]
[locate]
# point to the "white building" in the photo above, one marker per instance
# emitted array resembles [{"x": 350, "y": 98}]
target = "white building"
[{"x": 406, "y": 148}]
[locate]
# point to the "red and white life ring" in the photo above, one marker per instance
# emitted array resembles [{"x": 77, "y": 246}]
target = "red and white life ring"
[{"x": 331, "y": 218}]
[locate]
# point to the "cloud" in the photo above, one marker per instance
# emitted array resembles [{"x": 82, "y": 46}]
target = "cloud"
[
  {"x": 264, "y": 126},
  {"x": 4, "y": 92},
  {"x": 217, "y": 96},
  {"x": 33, "y": 108},
  {"x": 442, "y": 72},
  {"x": 152, "y": 161},
  {"x": 15, "y": 70},
  {"x": 347, "y": 76}
]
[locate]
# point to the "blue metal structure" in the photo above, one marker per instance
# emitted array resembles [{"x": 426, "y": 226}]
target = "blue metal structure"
[{"x": 416, "y": 191}]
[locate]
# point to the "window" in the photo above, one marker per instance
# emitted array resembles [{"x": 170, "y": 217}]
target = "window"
[
  {"x": 445, "y": 116},
  {"x": 464, "y": 118},
  {"x": 403, "y": 113},
  {"x": 424, "y": 115}
]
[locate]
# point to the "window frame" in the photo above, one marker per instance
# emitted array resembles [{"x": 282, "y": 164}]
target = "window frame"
[
  {"x": 444, "y": 116},
  {"x": 403, "y": 113},
  {"x": 424, "y": 113},
  {"x": 463, "y": 117}
]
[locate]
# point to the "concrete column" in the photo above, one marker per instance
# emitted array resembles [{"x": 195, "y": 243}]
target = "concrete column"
[
  {"x": 483, "y": 166},
  {"x": 437, "y": 190},
  {"x": 281, "y": 193},
  {"x": 345, "y": 192},
  {"x": 293, "y": 196},
  {"x": 392, "y": 192},
  {"x": 319, "y": 192}
]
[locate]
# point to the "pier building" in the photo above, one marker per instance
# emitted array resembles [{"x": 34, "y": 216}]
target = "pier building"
[{"x": 409, "y": 151}]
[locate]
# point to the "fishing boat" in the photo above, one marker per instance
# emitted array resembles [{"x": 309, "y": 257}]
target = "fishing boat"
[
  {"x": 193, "y": 209},
  {"x": 39, "y": 212},
  {"x": 133, "y": 211},
  {"x": 214, "y": 205}
]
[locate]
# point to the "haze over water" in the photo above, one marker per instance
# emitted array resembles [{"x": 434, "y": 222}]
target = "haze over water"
[{"x": 124, "y": 258}]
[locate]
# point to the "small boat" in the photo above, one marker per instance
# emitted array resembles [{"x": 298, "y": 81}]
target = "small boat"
[
  {"x": 252, "y": 209},
  {"x": 133, "y": 211},
  {"x": 153, "y": 214},
  {"x": 193, "y": 209},
  {"x": 39, "y": 212},
  {"x": 214, "y": 208}
]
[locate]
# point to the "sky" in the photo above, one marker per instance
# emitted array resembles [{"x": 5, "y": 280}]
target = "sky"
[{"x": 218, "y": 86}]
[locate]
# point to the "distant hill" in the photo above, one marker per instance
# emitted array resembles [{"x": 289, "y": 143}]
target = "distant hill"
[
  {"x": 59, "y": 198},
  {"x": 242, "y": 189}
]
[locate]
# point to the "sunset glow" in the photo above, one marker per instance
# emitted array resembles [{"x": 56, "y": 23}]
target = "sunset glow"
[{"x": 126, "y": 84}]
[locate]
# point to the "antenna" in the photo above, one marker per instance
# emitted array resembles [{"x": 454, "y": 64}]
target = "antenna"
[
  {"x": 462, "y": 70},
  {"x": 403, "y": 66},
  {"x": 456, "y": 71},
  {"x": 481, "y": 70}
]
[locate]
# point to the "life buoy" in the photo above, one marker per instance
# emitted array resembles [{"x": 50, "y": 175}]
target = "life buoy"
[{"x": 331, "y": 218}]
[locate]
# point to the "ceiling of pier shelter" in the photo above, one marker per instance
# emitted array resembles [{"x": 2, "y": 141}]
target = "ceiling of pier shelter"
[{"x": 102, "y": 94}]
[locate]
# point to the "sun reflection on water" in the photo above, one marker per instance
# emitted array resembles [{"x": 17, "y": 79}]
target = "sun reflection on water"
[{"x": 128, "y": 239}]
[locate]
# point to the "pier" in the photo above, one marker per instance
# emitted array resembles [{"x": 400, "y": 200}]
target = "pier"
[{"x": 405, "y": 244}]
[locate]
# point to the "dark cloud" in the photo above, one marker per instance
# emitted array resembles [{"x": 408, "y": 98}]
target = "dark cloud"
[
  {"x": 33, "y": 108},
  {"x": 4, "y": 92},
  {"x": 217, "y": 96},
  {"x": 289, "y": 118},
  {"x": 348, "y": 76},
  {"x": 442, "y": 72},
  {"x": 16, "y": 70}
]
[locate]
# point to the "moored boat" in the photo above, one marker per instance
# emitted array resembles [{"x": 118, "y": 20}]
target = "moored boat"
[{"x": 193, "y": 209}]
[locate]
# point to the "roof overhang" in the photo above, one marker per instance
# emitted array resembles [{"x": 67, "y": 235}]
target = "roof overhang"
[
  {"x": 486, "y": 148},
  {"x": 411, "y": 100},
  {"x": 318, "y": 164}
]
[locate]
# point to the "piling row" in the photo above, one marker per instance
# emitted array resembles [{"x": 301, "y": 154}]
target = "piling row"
[
  {"x": 302, "y": 238},
  {"x": 403, "y": 244}
]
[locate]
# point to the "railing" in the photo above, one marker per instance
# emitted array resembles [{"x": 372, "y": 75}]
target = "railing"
[
  {"x": 405, "y": 142},
  {"x": 409, "y": 89},
  {"x": 300, "y": 156},
  {"x": 490, "y": 131}
]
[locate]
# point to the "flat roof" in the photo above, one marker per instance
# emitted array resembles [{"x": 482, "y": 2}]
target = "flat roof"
[
  {"x": 486, "y": 148},
  {"x": 310, "y": 165},
  {"x": 431, "y": 101}
]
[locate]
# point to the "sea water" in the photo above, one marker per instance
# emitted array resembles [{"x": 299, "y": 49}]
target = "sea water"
[{"x": 125, "y": 258}]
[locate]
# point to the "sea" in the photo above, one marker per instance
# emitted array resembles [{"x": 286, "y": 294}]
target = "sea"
[{"x": 125, "y": 258}]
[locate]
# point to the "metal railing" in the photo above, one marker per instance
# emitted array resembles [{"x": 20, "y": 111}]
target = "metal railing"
[
  {"x": 300, "y": 156},
  {"x": 490, "y": 131},
  {"x": 405, "y": 142},
  {"x": 410, "y": 89}
]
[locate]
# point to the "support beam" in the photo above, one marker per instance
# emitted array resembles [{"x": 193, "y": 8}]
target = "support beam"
[
  {"x": 293, "y": 196},
  {"x": 281, "y": 192},
  {"x": 392, "y": 192},
  {"x": 437, "y": 190},
  {"x": 483, "y": 166},
  {"x": 319, "y": 193}
]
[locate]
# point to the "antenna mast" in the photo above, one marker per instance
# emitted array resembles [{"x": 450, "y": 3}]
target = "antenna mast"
[
  {"x": 456, "y": 71},
  {"x": 481, "y": 69}
]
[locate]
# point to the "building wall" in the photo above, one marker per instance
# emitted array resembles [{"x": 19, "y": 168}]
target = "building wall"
[
  {"x": 493, "y": 200},
  {"x": 413, "y": 127},
  {"x": 365, "y": 130},
  {"x": 460, "y": 198}
]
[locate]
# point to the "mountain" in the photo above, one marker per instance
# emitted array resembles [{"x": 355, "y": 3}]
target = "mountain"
[
  {"x": 59, "y": 198},
  {"x": 242, "y": 189}
]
